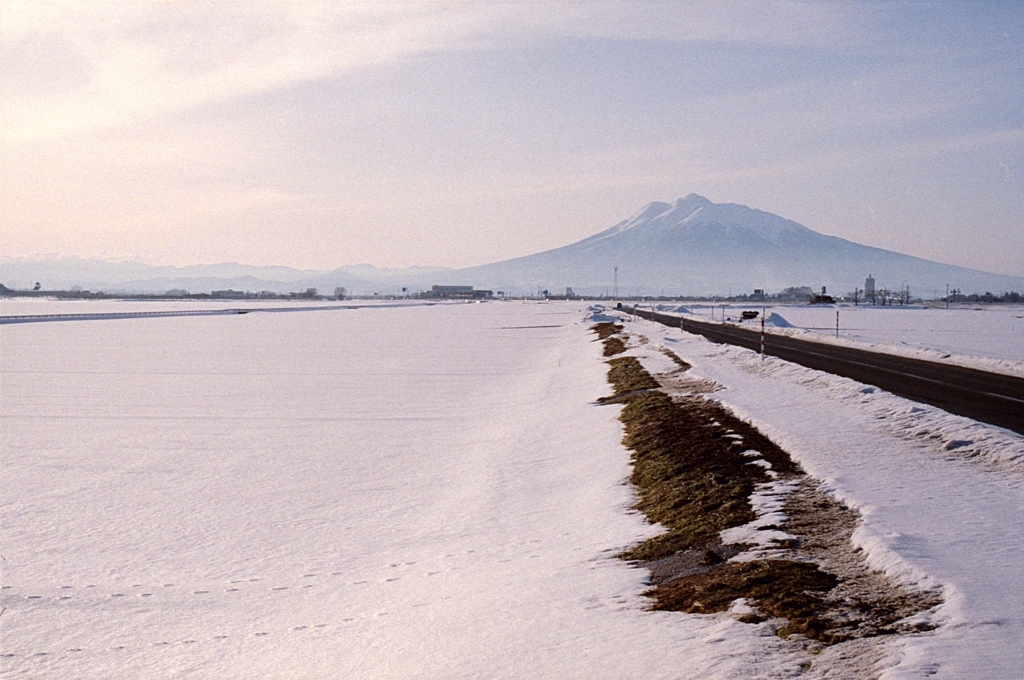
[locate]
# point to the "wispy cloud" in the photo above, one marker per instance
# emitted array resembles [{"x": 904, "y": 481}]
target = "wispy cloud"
[
  {"x": 72, "y": 67},
  {"x": 83, "y": 66}
]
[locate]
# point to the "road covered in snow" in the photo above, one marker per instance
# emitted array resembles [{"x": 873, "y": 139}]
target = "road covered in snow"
[{"x": 433, "y": 492}]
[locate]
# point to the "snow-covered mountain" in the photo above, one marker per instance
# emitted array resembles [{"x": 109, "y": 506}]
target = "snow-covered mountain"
[
  {"x": 698, "y": 247},
  {"x": 690, "y": 247}
]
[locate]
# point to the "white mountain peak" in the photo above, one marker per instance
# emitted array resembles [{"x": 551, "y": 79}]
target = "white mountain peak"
[{"x": 694, "y": 211}]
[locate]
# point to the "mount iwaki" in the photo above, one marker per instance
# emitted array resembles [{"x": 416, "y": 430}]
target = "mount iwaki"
[
  {"x": 692, "y": 247},
  {"x": 696, "y": 247}
]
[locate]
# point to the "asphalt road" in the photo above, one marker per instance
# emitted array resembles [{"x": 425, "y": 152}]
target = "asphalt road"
[{"x": 989, "y": 397}]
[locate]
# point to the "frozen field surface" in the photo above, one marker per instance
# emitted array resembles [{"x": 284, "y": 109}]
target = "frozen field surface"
[
  {"x": 10, "y": 307},
  {"x": 989, "y": 337},
  {"x": 398, "y": 492},
  {"x": 431, "y": 492}
]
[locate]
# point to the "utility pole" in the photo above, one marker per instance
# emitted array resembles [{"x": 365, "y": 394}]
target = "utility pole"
[
  {"x": 615, "y": 286},
  {"x": 947, "y": 296}
]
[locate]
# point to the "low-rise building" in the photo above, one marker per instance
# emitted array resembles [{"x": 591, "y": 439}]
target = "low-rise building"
[{"x": 458, "y": 292}]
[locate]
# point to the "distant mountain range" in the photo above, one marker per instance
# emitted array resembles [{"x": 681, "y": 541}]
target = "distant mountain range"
[
  {"x": 65, "y": 273},
  {"x": 691, "y": 247}
]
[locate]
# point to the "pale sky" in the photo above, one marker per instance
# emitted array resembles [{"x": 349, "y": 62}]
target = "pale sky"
[{"x": 454, "y": 133}]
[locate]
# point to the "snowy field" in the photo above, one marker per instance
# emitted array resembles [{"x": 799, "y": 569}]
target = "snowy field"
[
  {"x": 37, "y": 306},
  {"x": 431, "y": 492},
  {"x": 989, "y": 337},
  {"x": 410, "y": 492}
]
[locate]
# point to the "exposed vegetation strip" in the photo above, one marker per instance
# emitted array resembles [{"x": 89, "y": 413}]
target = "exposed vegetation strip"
[{"x": 695, "y": 468}]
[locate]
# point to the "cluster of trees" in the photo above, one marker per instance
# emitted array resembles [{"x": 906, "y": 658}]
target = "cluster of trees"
[
  {"x": 801, "y": 293},
  {"x": 883, "y": 296},
  {"x": 1011, "y": 297}
]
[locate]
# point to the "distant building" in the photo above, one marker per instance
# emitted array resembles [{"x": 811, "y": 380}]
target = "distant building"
[
  {"x": 758, "y": 294},
  {"x": 228, "y": 293},
  {"x": 822, "y": 298},
  {"x": 458, "y": 292},
  {"x": 869, "y": 289},
  {"x": 452, "y": 291},
  {"x": 568, "y": 293}
]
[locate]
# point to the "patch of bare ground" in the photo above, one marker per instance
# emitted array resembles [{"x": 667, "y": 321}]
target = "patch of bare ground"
[
  {"x": 606, "y": 329},
  {"x": 864, "y": 603},
  {"x": 629, "y": 379},
  {"x": 613, "y": 346},
  {"x": 680, "y": 381},
  {"x": 608, "y": 333},
  {"x": 682, "y": 365},
  {"x": 695, "y": 466}
]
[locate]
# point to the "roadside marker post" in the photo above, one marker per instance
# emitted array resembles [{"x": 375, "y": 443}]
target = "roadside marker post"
[
  {"x": 762, "y": 335},
  {"x": 837, "y": 324}
]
